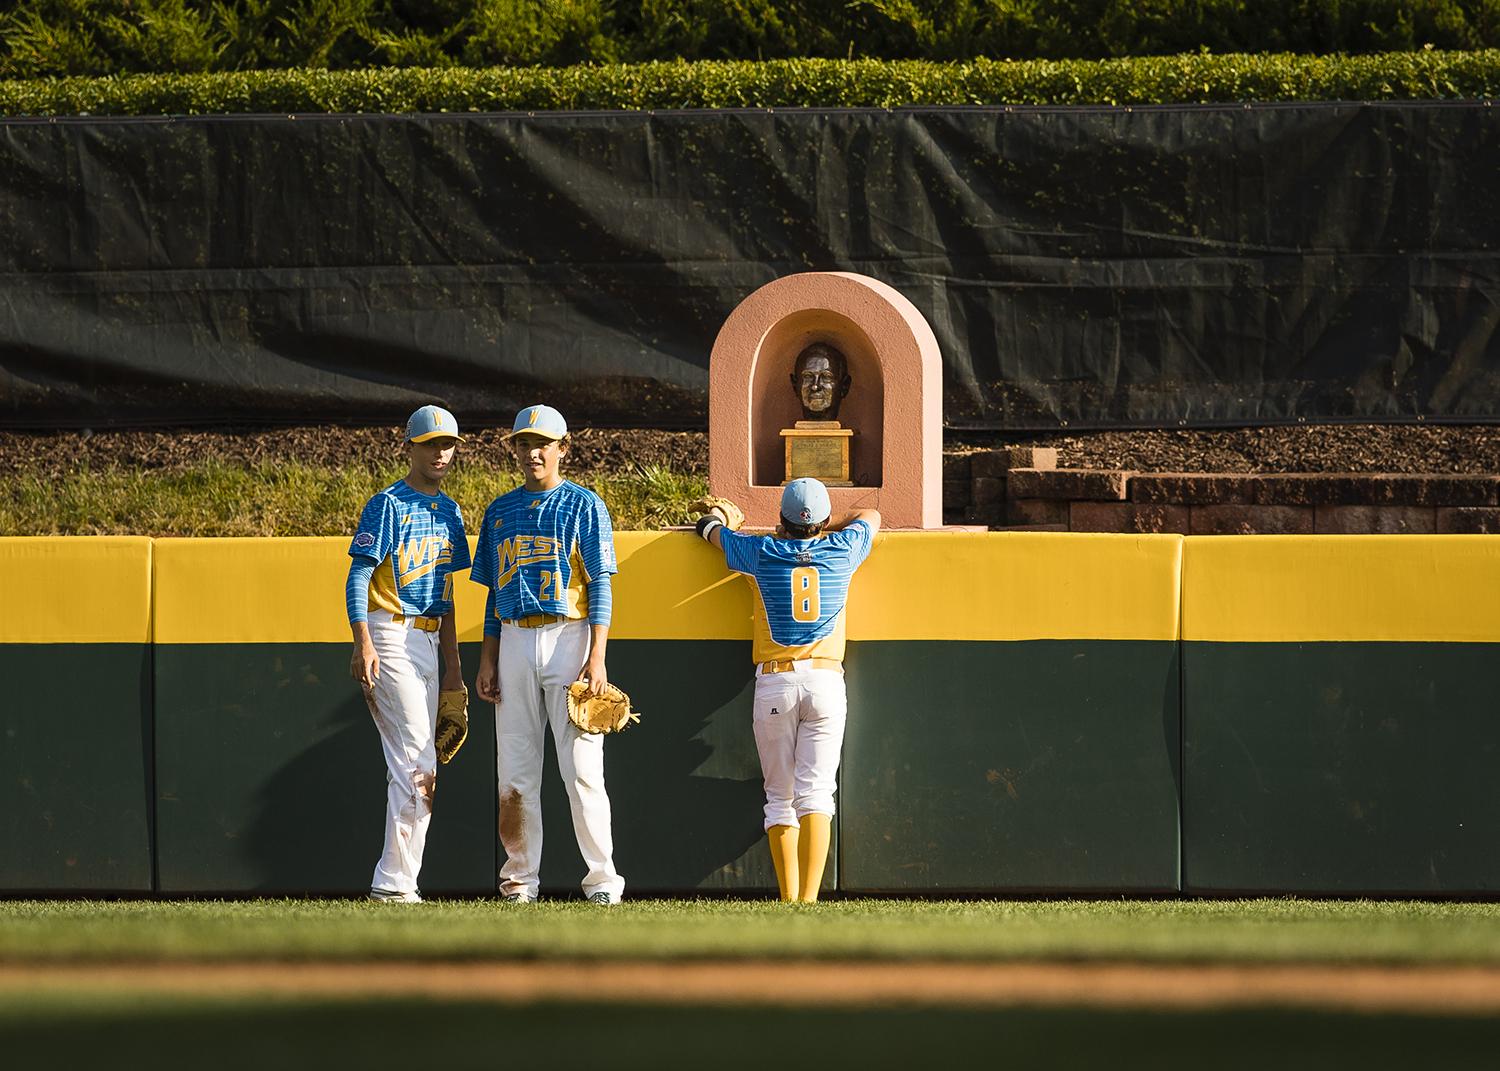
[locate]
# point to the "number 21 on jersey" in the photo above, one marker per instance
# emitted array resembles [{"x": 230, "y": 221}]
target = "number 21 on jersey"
[{"x": 805, "y": 602}]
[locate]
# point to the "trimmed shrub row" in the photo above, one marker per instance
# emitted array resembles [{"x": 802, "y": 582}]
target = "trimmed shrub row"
[
  {"x": 40, "y": 38},
  {"x": 1198, "y": 78}
]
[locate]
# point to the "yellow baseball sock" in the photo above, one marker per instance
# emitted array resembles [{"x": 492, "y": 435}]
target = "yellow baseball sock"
[
  {"x": 812, "y": 852},
  {"x": 783, "y": 840}
]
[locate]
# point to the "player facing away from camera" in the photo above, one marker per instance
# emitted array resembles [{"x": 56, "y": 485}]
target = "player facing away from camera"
[
  {"x": 399, "y": 596},
  {"x": 546, "y": 553},
  {"x": 801, "y": 579}
]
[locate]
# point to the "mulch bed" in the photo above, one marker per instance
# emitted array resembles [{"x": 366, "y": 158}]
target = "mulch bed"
[
  {"x": 54, "y": 454},
  {"x": 1303, "y": 448}
]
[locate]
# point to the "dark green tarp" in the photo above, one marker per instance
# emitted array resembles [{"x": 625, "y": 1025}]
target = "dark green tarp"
[{"x": 1142, "y": 266}]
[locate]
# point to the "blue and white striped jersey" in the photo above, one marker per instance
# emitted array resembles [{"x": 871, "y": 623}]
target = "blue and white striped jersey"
[
  {"x": 537, "y": 552},
  {"x": 801, "y": 588},
  {"x": 416, "y": 541}
]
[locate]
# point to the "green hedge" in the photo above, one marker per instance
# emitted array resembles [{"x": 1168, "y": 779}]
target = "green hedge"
[
  {"x": 776, "y": 84},
  {"x": 43, "y": 38}
]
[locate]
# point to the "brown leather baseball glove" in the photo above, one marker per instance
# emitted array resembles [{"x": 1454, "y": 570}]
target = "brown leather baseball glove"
[
  {"x": 734, "y": 517},
  {"x": 452, "y": 723},
  {"x": 607, "y": 713}
]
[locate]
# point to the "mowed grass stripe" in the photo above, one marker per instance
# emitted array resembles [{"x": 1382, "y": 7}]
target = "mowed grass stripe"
[{"x": 1255, "y": 931}]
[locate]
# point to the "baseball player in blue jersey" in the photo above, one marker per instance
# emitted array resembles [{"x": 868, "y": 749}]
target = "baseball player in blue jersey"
[
  {"x": 546, "y": 553},
  {"x": 399, "y": 596},
  {"x": 801, "y": 579}
]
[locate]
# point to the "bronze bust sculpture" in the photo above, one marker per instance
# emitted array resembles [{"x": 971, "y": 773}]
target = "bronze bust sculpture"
[
  {"x": 819, "y": 445},
  {"x": 820, "y": 377}
]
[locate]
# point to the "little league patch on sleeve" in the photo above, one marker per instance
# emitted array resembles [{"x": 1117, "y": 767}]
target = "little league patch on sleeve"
[{"x": 364, "y": 539}]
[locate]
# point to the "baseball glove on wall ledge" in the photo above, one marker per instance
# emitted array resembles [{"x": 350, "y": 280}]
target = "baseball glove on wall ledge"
[
  {"x": 606, "y": 713},
  {"x": 734, "y": 517}
]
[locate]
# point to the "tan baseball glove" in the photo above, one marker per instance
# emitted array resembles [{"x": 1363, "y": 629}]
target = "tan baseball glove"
[
  {"x": 733, "y": 515},
  {"x": 607, "y": 713},
  {"x": 452, "y": 723}
]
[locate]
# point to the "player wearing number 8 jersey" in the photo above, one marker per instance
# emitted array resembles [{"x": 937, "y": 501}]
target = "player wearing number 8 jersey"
[
  {"x": 801, "y": 579},
  {"x": 546, "y": 553}
]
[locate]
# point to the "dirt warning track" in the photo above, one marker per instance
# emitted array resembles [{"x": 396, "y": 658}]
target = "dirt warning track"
[{"x": 1376, "y": 989}]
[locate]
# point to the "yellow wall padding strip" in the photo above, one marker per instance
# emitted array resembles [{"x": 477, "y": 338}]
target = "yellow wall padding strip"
[
  {"x": 292, "y": 591},
  {"x": 78, "y": 589},
  {"x": 251, "y": 590},
  {"x": 1017, "y": 586},
  {"x": 673, "y": 586},
  {"x": 980, "y": 586},
  {"x": 1289, "y": 589}
]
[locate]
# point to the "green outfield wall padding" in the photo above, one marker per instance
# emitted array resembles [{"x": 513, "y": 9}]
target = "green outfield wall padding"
[
  {"x": 1340, "y": 767},
  {"x": 75, "y": 744},
  {"x": 1015, "y": 766},
  {"x": 684, "y": 785},
  {"x": 270, "y": 777}
]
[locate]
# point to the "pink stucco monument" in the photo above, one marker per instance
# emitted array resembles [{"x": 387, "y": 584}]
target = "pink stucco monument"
[{"x": 893, "y": 405}]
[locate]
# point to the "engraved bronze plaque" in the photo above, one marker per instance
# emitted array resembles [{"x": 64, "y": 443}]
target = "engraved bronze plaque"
[
  {"x": 823, "y": 455},
  {"x": 823, "y": 458}
]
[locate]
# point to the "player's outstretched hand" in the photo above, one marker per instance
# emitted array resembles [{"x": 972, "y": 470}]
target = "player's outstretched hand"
[
  {"x": 364, "y": 665},
  {"x": 487, "y": 683}
]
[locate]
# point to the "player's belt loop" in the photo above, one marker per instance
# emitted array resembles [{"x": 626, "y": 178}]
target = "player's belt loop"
[
  {"x": 787, "y": 665},
  {"x": 426, "y": 624},
  {"x": 533, "y": 620}
]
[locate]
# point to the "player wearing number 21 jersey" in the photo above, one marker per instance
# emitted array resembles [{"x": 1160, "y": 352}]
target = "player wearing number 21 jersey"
[
  {"x": 800, "y": 578},
  {"x": 546, "y": 553}
]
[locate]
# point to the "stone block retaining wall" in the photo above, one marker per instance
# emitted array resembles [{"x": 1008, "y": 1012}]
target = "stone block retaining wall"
[{"x": 1022, "y": 487}]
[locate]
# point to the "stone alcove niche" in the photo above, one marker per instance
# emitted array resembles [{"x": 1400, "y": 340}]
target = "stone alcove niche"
[
  {"x": 774, "y": 403},
  {"x": 894, "y": 406}
]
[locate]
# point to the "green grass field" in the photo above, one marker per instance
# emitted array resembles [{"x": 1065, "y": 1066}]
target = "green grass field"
[
  {"x": 123, "y": 1027},
  {"x": 1253, "y": 931},
  {"x": 300, "y": 1033}
]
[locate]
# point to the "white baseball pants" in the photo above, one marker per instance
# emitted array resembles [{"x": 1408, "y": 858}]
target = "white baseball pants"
[
  {"x": 799, "y": 731},
  {"x": 536, "y": 667},
  {"x": 403, "y": 703}
]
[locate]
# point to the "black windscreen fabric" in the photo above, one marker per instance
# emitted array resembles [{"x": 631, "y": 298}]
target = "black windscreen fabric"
[{"x": 1081, "y": 267}]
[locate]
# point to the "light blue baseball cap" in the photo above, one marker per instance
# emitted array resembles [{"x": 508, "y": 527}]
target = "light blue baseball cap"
[
  {"x": 431, "y": 422},
  {"x": 540, "y": 420},
  {"x": 805, "y": 501}
]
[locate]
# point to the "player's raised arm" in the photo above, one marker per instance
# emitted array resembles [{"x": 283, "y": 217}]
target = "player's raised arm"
[
  {"x": 869, "y": 516},
  {"x": 718, "y": 514}
]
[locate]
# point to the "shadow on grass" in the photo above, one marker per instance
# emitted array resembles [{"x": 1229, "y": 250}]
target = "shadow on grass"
[{"x": 155, "y": 1033}]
